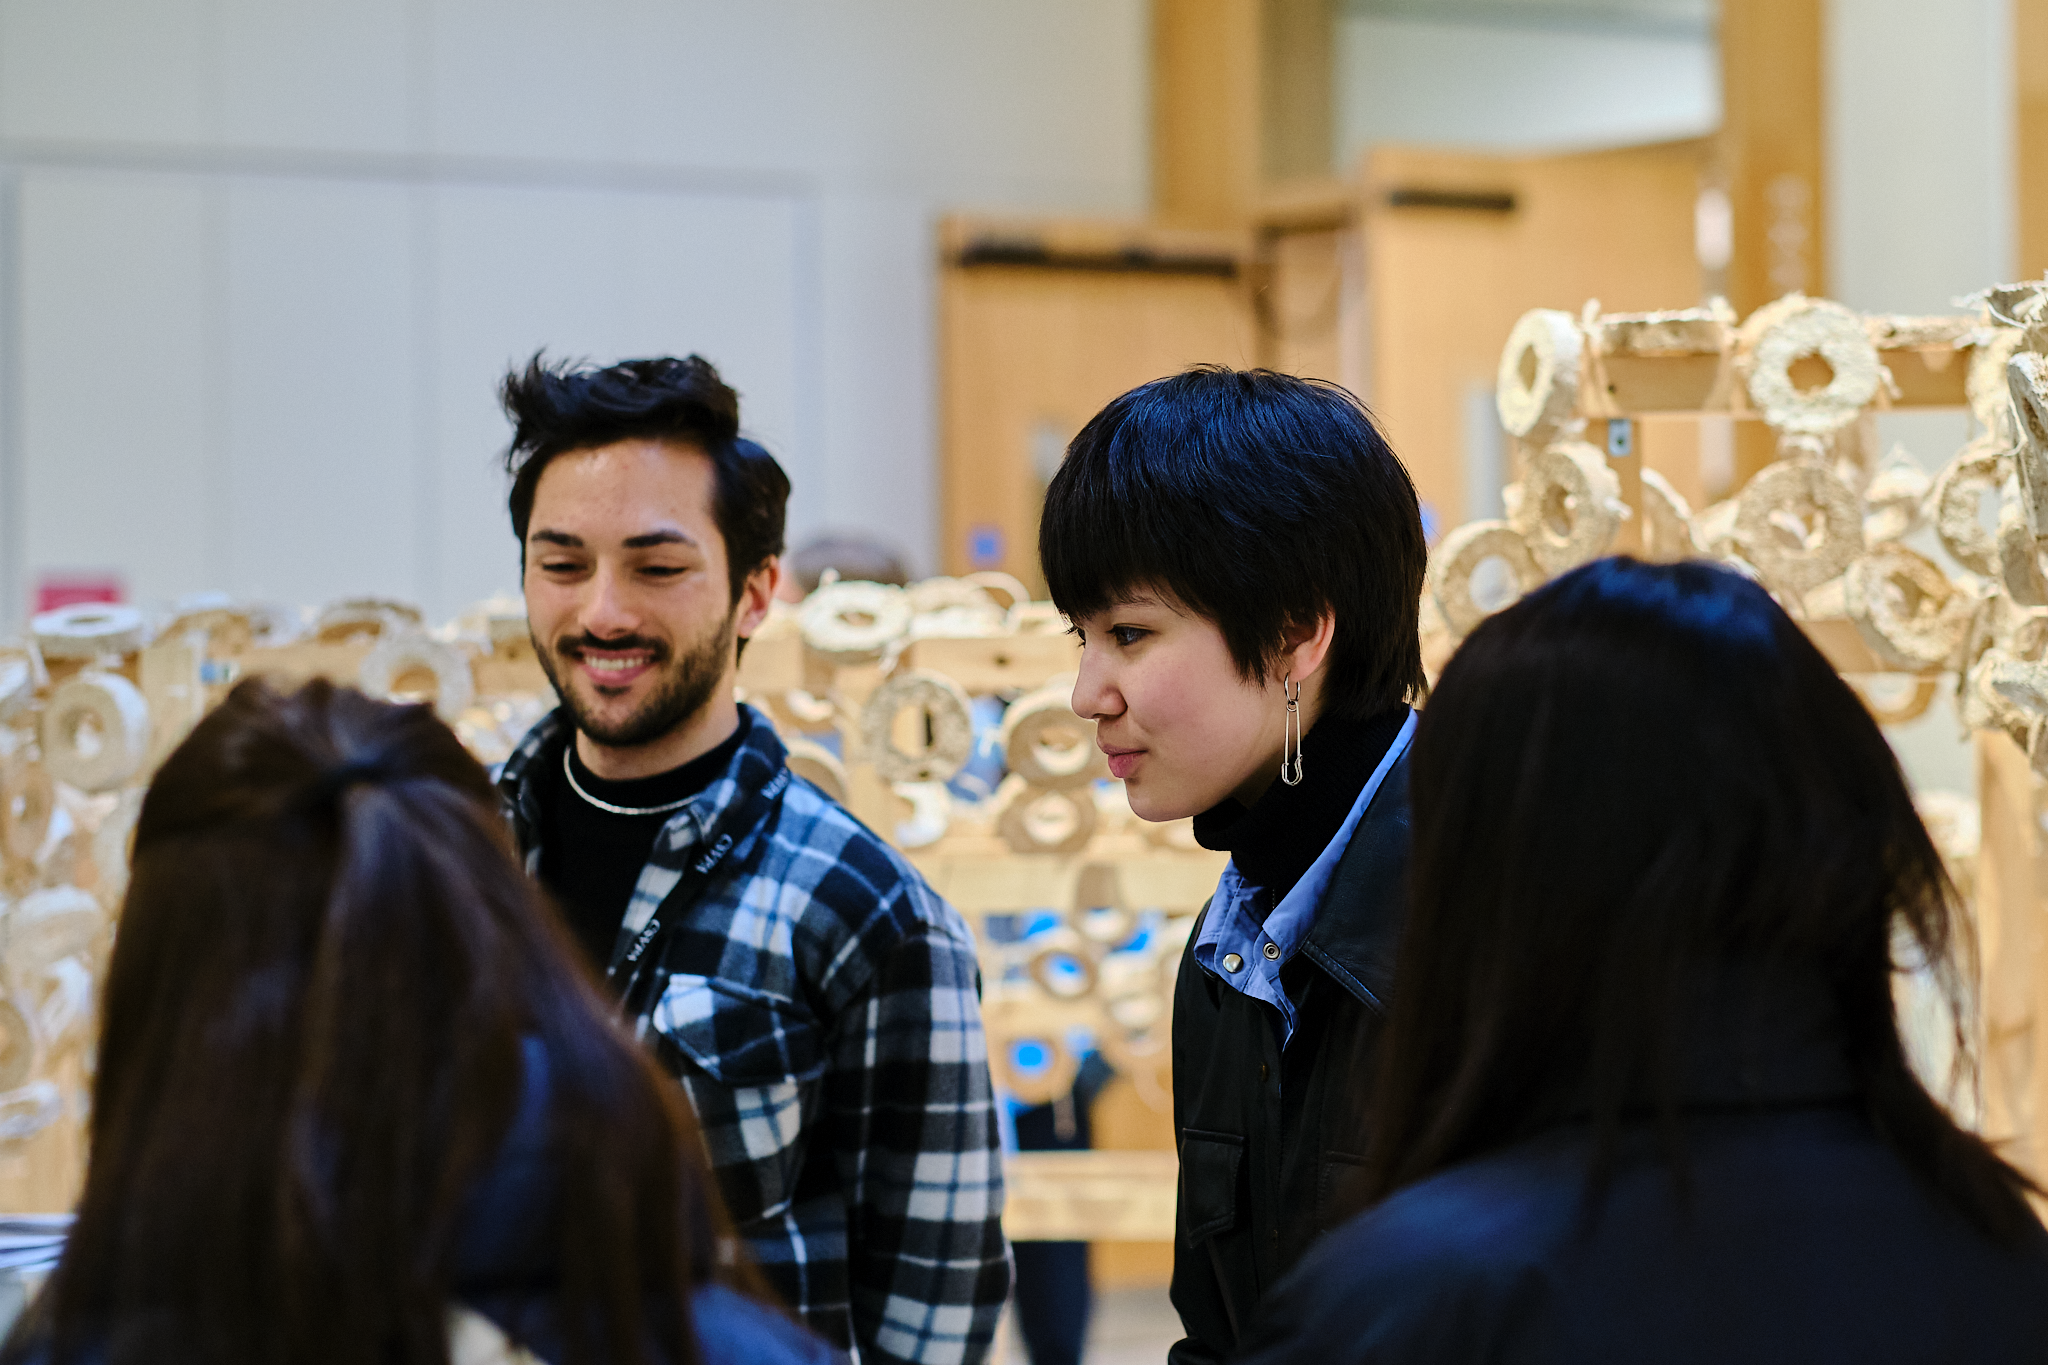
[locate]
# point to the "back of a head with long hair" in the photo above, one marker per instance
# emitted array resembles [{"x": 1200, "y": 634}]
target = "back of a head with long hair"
[
  {"x": 1635, "y": 778},
  {"x": 328, "y": 967}
]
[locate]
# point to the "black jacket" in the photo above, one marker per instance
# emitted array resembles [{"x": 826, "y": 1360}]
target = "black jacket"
[
  {"x": 1802, "y": 1237},
  {"x": 1270, "y": 1142}
]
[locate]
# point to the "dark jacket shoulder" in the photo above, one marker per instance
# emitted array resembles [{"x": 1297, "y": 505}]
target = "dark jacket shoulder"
[{"x": 1802, "y": 1236}]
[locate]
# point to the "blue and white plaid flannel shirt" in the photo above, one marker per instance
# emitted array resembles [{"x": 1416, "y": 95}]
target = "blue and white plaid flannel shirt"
[{"x": 822, "y": 1009}]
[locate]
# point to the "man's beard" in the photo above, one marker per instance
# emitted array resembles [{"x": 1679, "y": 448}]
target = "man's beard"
[{"x": 685, "y": 683}]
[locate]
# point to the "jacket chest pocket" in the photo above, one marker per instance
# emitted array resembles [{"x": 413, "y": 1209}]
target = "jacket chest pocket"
[
  {"x": 1210, "y": 1164},
  {"x": 749, "y": 1062}
]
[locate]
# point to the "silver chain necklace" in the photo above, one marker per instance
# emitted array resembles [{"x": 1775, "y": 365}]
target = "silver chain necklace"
[{"x": 569, "y": 771}]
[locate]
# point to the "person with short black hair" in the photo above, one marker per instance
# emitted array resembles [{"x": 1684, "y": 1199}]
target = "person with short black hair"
[
  {"x": 818, "y": 1001},
  {"x": 1242, "y": 556},
  {"x": 1643, "y": 1095}
]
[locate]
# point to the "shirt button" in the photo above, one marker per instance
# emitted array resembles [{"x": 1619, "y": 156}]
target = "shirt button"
[
  {"x": 1232, "y": 962},
  {"x": 1272, "y": 952}
]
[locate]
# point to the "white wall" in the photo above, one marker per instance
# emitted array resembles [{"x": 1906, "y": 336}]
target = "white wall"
[
  {"x": 1502, "y": 87},
  {"x": 261, "y": 264},
  {"x": 1921, "y": 210}
]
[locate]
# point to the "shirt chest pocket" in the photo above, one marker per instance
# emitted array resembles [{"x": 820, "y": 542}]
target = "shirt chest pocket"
[
  {"x": 750, "y": 1062},
  {"x": 739, "y": 1035}
]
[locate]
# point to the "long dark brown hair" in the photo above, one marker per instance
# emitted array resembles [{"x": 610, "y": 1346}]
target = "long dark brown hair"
[
  {"x": 1635, "y": 777},
  {"x": 328, "y": 966}
]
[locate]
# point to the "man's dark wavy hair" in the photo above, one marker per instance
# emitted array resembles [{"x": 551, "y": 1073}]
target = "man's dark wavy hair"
[
  {"x": 1255, "y": 500},
  {"x": 560, "y": 406}
]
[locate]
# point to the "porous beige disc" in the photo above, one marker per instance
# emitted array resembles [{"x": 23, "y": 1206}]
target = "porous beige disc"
[
  {"x": 1062, "y": 964},
  {"x": 1894, "y": 502},
  {"x": 817, "y": 765},
  {"x": 88, "y": 630},
  {"x": 853, "y": 621},
  {"x": 356, "y": 617},
  {"x": 1537, "y": 389},
  {"x": 1047, "y": 745},
  {"x": 1713, "y": 528},
  {"x": 1461, "y": 552},
  {"x": 936, "y": 594},
  {"x": 944, "y": 728},
  {"x": 1570, "y": 507},
  {"x": 1977, "y": 469},
  {"x": 1986, "y": 385},
  {"x": 1905, "y": 608},
  {"x": 1667, "y": 522},
  {"x": 2019, "y": 560},
  {"x": 1799, "y": 525},
  {"x": 1044, "y": 819},
  {"x": 1027, "y": 1032},
  {"x": 228, "y": 630},
  {"x": 2019, "y": 689},
  {"x": 1909, "y": 703},
  {"x": 1684, "y": 331},
  {"x": 49, "y": 925},
  {"x": 113, "y": 848},
  {"x": 398, "y": 663},
  {"x": 95, "y": 731},
  {"x": 1795, "y": 328},
  {"x": 2027, "y": 378},
  {"x": 1006, "y": 589},
  {"x": 27, "y": 800}
]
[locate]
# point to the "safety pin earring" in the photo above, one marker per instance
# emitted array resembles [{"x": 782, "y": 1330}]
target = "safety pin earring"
[{"x": 1290, "y": 733}]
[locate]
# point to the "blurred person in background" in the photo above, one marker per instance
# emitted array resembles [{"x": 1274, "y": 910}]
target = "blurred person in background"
[
  {"x": 352, "y": 1078},
  {"x": 1242, "y": 557},
  {"x": 817, "y": 1000},
  {"x": 1643, "y": 1095},
  {"x": 853, "y": 558}
]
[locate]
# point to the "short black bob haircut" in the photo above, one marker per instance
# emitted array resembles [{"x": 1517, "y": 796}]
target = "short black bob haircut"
[
  {"x": 1260, "y": 502},
  {"x": 561, "y": 406},
  {"x": 1649, "y": 817}
]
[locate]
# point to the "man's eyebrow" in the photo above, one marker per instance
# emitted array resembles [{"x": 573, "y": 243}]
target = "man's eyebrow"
[
  {"x": 640, "y": 542},
  {"x": 654, "y": 538}
]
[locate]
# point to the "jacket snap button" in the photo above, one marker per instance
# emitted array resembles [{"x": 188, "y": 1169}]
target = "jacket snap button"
[
  {"x": 1232, "y": 962},
  {"x": 1272, "y": 952}
]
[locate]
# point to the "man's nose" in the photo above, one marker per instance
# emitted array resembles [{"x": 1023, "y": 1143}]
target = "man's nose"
[{"x": 607, "y": 608}]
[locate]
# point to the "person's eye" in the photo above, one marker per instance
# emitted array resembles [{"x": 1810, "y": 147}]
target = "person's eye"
[
  {"x": 663, "y": 571},
  {"x": 559, "y": 566},
  {"x": 1128, "y": 635},
  {"x": 1078, "y": 634}
]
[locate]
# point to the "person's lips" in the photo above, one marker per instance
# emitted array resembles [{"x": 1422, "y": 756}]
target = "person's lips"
[{"x": 1122, "y": 761}]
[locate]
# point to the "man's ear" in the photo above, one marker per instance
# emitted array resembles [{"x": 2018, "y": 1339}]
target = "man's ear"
[{"x": 757, "y": 594}]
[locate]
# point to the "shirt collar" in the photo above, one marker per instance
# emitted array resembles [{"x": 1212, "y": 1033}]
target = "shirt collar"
[{"x": 1233, "y": 929}]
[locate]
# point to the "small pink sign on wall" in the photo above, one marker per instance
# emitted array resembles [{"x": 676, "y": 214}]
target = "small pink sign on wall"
[{"x": 69, "y": 587}]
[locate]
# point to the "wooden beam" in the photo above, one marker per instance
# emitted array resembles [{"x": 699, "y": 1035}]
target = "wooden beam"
[
  {"x": 1771, "y": 148},
  {"x": 1297, "y": 70},
  {"x": 1771, "y": 162},
  {"x": 1205, "y": 111},
  {"x": 2030, "y": 143}
]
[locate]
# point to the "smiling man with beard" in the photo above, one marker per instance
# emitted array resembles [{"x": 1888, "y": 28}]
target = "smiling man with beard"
[{"x": 819, "y": 1003}]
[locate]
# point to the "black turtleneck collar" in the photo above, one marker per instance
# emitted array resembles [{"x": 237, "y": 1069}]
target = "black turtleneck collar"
[{"x": 1274, "y": 842}]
